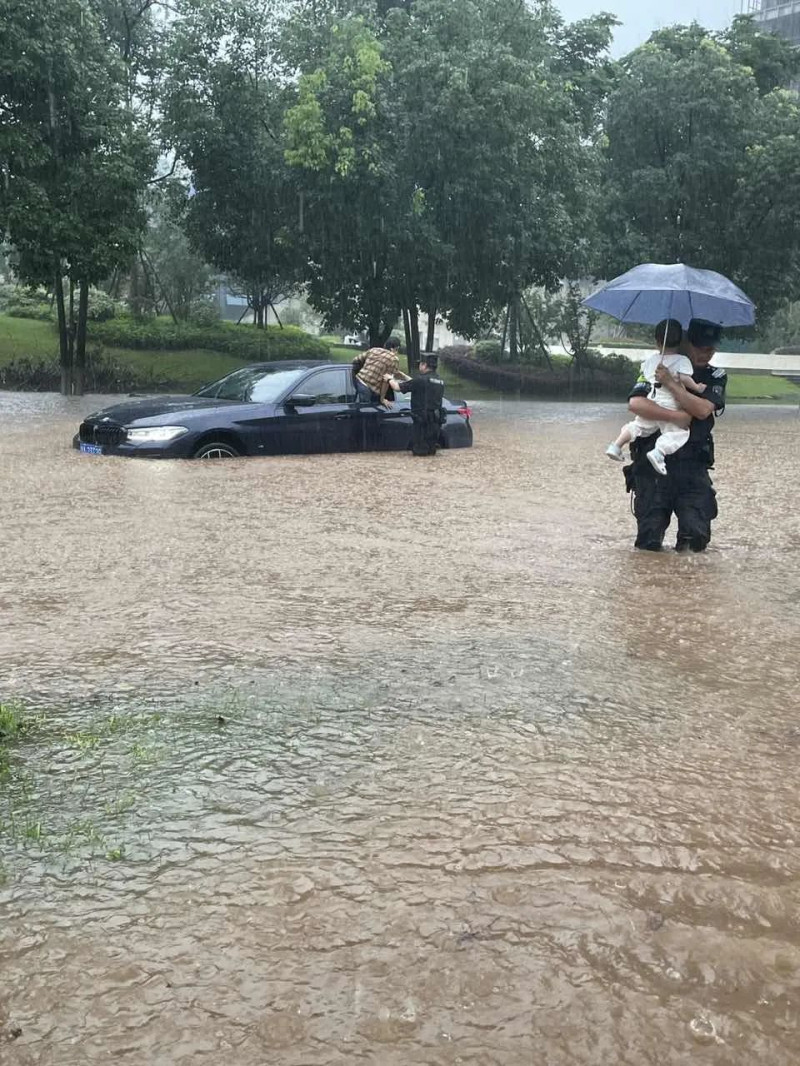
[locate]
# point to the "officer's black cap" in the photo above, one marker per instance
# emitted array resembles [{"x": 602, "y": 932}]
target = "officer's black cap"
[
  {"x": 704, "y": 334},
  {"x": 431, "y": 361}
]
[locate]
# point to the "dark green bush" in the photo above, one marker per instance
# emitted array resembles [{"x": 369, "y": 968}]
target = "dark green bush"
[
  {"x": 606, "y": 377},
  {"x": 488, "y": 351},
  {"x": 245, "y": 342},
  {"x": 204, "y": 313},
  {"x": 31, "y": 375},
  {"x": 22, "y": 303},
  {"x": 102, "y": 307},
  {"x": 7, "y": 292},
  {"x": 103, "y": 374}
]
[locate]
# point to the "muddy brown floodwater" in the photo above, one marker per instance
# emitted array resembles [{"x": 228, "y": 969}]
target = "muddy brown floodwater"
[{"x": 357, "y": 759}]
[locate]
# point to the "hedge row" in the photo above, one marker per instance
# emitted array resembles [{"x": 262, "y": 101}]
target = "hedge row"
[
  {"x": 609, "y": 377},
  {"x": 245, "y": 342},
  {"x": 102, "y": 375}
]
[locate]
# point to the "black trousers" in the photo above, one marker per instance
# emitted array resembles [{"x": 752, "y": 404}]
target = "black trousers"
[
  {"x": 425, "y": 434},
  {"x": 686, "y": 492}
]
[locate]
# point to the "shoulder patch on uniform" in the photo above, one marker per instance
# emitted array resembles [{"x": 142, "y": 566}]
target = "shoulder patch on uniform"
[{"x": 719, "y": 372}]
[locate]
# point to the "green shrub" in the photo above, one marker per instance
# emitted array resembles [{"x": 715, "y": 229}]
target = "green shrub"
[
  {"x": 40, "y": 312},
  {"x": 204, "y": 313},
  {"x": 102, "y": 307},
  {"x": 488, "y": 352},
  {"x": 7, "y": 292},
  {"x": 23, "y": 303},
  {"x": 31, "y": 375},
  {"x": 613, "y": 363},
  {"x": 244, "y": 342},
  {"x": 603, "y": 378},
  {"x": 103, "y": 374}
]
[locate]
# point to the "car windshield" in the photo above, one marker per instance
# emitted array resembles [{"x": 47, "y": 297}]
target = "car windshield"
[{"x": 253, "y": 384}]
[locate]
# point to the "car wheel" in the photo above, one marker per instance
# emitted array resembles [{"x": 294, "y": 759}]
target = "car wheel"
[{"x": 216, "y": 449}]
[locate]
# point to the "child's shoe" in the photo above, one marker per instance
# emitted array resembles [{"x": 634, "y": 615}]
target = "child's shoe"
[
  {"x": 657, "y": 461},
  {"x": 613, "y": 451}
]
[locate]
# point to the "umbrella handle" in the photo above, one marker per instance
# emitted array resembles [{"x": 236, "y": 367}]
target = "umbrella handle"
[{"x": 664, "y": 336}]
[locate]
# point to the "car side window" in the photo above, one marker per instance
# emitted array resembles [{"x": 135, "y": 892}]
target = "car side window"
[{"x": 329, "y": 386}]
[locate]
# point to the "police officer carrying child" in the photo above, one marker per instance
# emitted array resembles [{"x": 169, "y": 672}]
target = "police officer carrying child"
[
  {"x": 687, "y": 490},
  {"x": 427, "y": 413}
]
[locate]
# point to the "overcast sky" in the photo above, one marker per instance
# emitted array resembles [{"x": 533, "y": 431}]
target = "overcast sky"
[{"x": 639, "y": 17}]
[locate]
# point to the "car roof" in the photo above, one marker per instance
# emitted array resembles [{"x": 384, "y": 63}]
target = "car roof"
[{"x": 291, "y": 364}]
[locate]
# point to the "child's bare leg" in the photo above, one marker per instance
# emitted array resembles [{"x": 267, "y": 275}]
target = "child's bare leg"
[
  {"x": 614, "y": 450},
  {"x": 624, "y": 438}
]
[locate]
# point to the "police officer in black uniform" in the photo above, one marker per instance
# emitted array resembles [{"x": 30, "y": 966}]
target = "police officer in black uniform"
[
  {"x": 427, "y": 393},
  {"x": 687, "y": 490}
]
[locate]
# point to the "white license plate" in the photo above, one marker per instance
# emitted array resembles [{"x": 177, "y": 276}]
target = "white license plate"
[{"x": 91, "y": 449}]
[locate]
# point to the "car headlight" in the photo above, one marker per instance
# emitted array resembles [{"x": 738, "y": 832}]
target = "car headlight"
[{"x": 155, "y": 434}]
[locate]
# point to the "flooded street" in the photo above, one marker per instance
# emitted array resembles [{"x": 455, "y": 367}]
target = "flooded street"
[{"x": 329, "y": 767}]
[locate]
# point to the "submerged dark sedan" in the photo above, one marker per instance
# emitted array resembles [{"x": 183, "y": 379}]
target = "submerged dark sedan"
[{"x": 286, "y": 408}]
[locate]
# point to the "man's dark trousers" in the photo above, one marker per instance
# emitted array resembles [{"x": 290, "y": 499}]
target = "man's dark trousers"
[
  {"x": 686, "y": 490},
  {"x": 425, "y": 433}
]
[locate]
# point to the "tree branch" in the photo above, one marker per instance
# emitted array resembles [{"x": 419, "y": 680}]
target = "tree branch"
[{"x": 163, "y": 177}]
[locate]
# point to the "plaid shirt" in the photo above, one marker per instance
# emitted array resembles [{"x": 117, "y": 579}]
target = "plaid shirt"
[{"x": 373, "y": 365}]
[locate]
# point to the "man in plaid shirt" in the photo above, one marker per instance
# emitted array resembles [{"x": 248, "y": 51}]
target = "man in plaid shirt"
[{"x": 374, "y": 367}]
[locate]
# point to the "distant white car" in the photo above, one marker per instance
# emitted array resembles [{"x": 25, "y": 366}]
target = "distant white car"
[{"x": 352, "y": 340}]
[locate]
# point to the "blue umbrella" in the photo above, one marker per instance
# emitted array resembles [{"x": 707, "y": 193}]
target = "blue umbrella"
[{"x": 654, "y": 291}]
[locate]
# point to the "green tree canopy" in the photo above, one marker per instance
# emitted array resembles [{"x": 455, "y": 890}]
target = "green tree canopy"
[
  {"x": 75, "y": 160},
  {"x": 446, "y": 154},
  {"x": 223, "y": 103},
  {"x": 702, "y": 165}
]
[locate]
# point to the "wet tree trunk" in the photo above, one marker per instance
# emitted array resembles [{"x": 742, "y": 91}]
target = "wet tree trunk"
[
  {"x": 71, "y": 330},
  {"x": 411, "y": 328},
  {"x": 80, "y": 338},
  {"x": 258, "y": 309},
  {"x": 430, "y": 339},
  {"x": 505, "y": 336},
  {"x": 63, "y": 341},
  {"x": 513, "y": 322}
]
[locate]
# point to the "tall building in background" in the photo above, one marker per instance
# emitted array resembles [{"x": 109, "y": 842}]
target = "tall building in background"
[{"x": 777, "y": 16}]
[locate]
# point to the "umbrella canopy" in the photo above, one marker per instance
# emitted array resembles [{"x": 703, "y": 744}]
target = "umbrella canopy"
[{"x": 655, "y": 291}]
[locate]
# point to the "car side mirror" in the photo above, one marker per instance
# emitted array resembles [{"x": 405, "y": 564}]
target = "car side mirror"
[{"x": 301, "y": 400}]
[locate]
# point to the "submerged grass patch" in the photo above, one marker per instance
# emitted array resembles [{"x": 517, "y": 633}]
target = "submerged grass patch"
[{"x": 58, "y": 784}]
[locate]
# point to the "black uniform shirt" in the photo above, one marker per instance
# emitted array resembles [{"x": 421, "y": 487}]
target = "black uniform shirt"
[
  {"x": 427, "y": 393},
  {"x": 701, "y": 442}
]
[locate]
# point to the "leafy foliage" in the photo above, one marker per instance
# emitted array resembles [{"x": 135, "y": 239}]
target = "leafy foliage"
[
  {"x": 75, "y": 158},
  {"x": 174, "y": 279},
  {"x": 703, "y": 165},
  {"x": 782, "y": 329},
  {"x": 224, "y": 102}
]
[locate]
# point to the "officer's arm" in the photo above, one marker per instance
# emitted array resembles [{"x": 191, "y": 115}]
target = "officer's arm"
[{"x": 654, "y": 412}]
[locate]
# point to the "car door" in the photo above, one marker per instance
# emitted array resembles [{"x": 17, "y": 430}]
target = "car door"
[
  {"x": 386, "y": 430},
  {"x": 325, "y": 417}
]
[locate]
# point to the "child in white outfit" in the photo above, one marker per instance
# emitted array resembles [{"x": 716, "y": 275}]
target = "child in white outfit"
[{"x": 668, "y": 337}]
